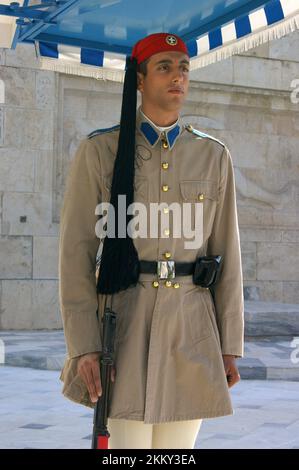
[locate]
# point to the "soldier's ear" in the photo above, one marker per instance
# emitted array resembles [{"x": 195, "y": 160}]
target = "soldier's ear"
[{"x": 140, "y": 81}]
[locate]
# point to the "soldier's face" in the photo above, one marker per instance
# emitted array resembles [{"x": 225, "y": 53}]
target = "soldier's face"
[{"x": 166, "y": 83}]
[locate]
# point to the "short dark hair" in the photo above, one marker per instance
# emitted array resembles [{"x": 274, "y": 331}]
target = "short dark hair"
[{"x": 142, "y": 67}]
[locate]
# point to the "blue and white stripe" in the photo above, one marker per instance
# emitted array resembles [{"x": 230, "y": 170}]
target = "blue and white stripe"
[
  {"x": 77, "y": 55},
  {"x": 274, "y": 12},
  {"x": 256, "y": 22}
]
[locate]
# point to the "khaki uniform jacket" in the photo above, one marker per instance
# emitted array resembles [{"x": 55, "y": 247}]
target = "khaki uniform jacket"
[{"x": 169, "y": 341}]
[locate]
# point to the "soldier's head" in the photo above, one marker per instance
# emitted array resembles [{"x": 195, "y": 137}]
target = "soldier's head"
[{"x": 162, "y": 70}]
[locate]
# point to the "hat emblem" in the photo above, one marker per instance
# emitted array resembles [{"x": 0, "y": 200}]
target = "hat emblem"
[{"x": 171, "y": 40}]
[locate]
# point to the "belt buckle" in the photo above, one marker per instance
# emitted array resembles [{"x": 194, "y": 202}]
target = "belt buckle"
[{"x": 166, "y": 269}]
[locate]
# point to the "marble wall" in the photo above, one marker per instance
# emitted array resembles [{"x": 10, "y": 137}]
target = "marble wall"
[{"x": 245, "y": 101}]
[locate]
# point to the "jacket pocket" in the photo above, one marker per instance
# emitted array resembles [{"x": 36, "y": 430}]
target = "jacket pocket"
[
  {"x": 196, "y": 316},
  {"x": 203, "y": 192},
  {"x": 211, "y": 310},
  {"x": 198, "y": 191}
]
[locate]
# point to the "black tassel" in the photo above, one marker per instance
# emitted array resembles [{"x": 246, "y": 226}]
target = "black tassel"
[{"x": 119, "y": 268}]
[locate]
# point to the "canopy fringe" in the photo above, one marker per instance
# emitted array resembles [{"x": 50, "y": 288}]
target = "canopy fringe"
[
  {"x": 69, "y": 67},
  {"x": 255, "y": 39}
]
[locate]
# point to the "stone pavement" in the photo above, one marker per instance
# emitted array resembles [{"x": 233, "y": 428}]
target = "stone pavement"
[
  {"x": 34, "y": 414},
  {"x": 265, "y": 357}
]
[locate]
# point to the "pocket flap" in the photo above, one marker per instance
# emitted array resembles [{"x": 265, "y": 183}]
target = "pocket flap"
[{"x": 192, "y": 190}]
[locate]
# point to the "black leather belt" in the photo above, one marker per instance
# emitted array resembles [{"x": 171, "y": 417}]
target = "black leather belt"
[
  {"x": 205, "y": 270},
  {"x": 181, "y": 268}
]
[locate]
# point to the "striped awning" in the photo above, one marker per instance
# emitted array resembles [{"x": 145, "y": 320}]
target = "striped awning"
[{"x": 93, "y": 37}]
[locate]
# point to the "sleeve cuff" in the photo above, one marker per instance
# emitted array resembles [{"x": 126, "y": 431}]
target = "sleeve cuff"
[
  {"x": 83, "y": 333},
  {"x": 231, "y": 332}
]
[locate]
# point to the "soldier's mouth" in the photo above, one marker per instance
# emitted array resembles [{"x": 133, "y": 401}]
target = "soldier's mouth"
[{"x": 176, "y": 91}]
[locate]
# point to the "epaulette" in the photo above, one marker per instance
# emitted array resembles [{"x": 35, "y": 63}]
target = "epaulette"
[
  {"x": 102, "y": 131},
  {"x": 202, "y": 135}
]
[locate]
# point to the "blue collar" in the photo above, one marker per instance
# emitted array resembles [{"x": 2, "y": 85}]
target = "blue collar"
[{"x": 152, "y": 134}]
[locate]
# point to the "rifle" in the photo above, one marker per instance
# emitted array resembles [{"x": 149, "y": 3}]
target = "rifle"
[{"x": 101, "y": 434}]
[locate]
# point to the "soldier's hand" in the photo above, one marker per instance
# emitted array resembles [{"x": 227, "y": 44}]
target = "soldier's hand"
[
  {"x": 89, "y": 371},
  {"x": 231, "y": 370}
]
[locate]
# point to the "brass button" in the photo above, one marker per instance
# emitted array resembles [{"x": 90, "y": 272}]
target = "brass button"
[
  {"x": 165, "y": 188},
  {"x": 165, "y": 144},
  {"x": 165, "y": 210},
  {"x": 201, "y": 197},
  {"x": 168, "y": 283},
  {"x": 166, "y": 232},
  {"x": 155, "y": 284},
  {"x": 167, "y": 255},
  {"x": 165, "y": 165},
  {"x": 189, "y": 127},
  {"x": 176, "y": 285}
]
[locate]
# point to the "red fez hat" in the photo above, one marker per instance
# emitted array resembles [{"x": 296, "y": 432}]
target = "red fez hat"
[{"x": 158, "y": 42}]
